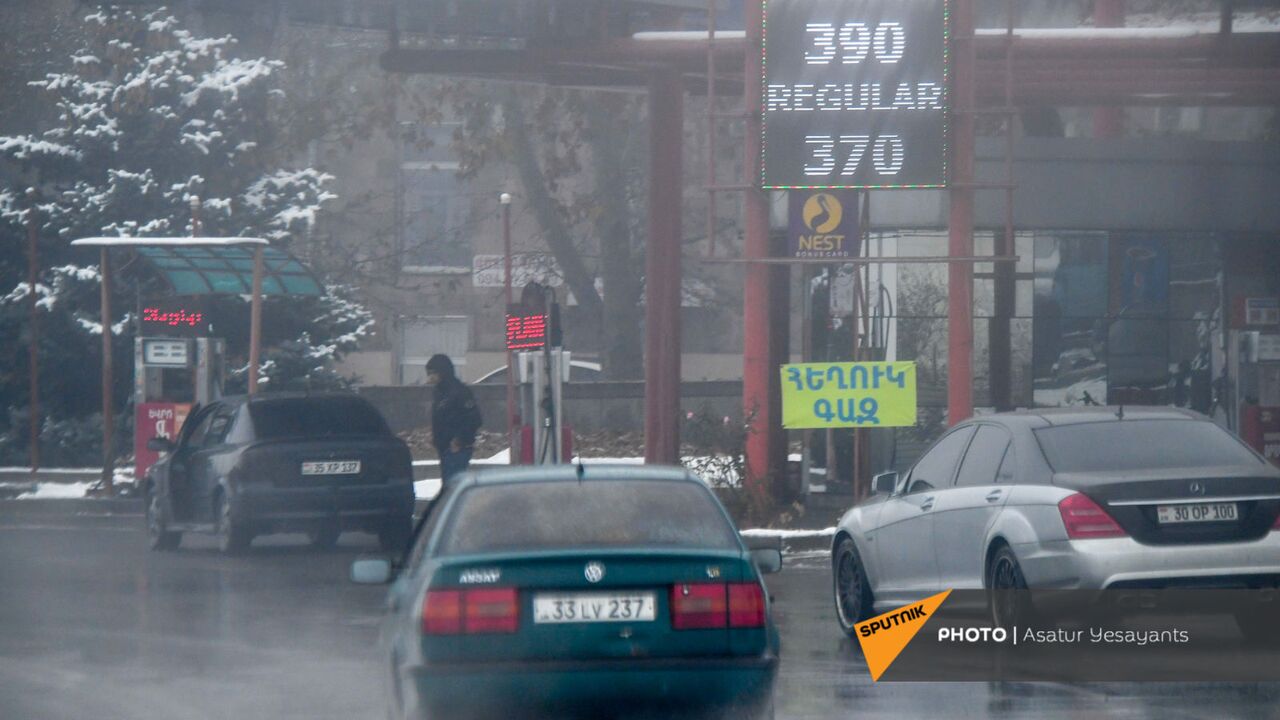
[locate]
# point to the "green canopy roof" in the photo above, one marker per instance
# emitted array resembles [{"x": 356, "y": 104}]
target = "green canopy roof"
[{"x": 228, "y": 270}]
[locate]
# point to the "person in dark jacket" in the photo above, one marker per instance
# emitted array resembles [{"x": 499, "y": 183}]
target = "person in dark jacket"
[{"x": 455, "y": 418}]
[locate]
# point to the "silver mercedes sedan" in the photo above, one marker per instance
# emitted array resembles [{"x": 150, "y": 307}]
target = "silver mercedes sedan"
[{"x": 1090, "y": 498}]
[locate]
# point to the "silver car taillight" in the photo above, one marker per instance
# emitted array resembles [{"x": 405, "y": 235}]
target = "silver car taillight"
[{"x": 1085, "y": 519}]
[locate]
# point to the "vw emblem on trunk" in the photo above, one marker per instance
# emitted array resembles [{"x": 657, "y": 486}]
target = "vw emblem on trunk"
[
  {"x": 1197, "y": 488},
  {"x": 594, "y": 572}
]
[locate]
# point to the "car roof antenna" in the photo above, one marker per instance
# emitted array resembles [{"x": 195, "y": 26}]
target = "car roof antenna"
[
  {"x": 581, "y": 469},
  {"x": 1120, "y": 413}
]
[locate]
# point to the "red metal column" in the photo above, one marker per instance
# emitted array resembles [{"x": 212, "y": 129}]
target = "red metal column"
[
  {"x": 662, "y": 269},
  {"x": 255, "y": 320},
  {"x": 759, "y": 379},
  {"x": 108, "y": 371},
  {"x": 33, "y": 335},
  {"x": 1108, "y": 122},
  {"x": 779, "y": 354},
  {"x": 505, "y": 201},
  {"x": 960, "y": 222}
]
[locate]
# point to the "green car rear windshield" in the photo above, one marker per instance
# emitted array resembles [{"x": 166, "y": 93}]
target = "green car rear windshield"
[
  {"x": 592, "y": 514},
  {"x": 1141, "y": 445}
]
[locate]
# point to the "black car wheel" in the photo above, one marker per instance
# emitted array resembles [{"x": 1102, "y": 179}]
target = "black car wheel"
[
  {"x": 233, "y": 536},
  {"x": 854, "y": 600},
  {"x": 1007, "y": 593},
  {"x": 324, "y": 536},
  {"x": 394, "y": 534},
  {"x": 159, "y": 536}
]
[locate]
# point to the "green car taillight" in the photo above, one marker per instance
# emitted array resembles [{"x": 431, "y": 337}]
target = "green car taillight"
[
  {"x": 701, "y": 606},
  {"x": 470, "y": 612}
]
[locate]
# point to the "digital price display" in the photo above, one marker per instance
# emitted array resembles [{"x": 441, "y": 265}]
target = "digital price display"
[
  {"x": 174, "y": 317},
  {"x": 855, "y": 94},
  {"x": 162, "y": 352},
  {"x": 526, "y": 329}
]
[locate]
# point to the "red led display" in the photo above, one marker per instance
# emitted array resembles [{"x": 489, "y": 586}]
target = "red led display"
[
  {"x": 174, "y": 317},
  {"x": 526, "y": 331}
]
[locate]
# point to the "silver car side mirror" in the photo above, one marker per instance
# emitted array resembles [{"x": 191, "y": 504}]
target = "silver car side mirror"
[
  {"x": 371, "y": 571},
  {"x": 885, "y": 483},
  {"x": 767, "y": 560}
]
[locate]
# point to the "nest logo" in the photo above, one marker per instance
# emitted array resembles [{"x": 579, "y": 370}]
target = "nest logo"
[
  {"x": 822, "y": 216},
  {"x": 884, "y": 637},
  {"x": 823, "y": 213}
]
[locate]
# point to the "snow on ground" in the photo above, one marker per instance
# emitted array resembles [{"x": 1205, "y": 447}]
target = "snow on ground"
[
  {"x": 50, "y": 491},
  {"x": 426, "y": 489},
  {"x": 50, "y": 471},
  {"x": 788, "y": 534}
]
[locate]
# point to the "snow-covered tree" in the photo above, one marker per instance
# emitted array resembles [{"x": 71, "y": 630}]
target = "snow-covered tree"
[{"x": 143, "y": 118}]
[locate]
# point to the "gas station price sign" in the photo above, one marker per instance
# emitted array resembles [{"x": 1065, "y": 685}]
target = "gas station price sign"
[
  {"x": 526, "y": 328},
  {"x": 855, "y": 94}
]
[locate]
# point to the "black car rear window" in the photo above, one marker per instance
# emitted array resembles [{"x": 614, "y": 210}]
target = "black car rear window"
[
  {"x": 592, "y": 514},
  {"x": 315, "y": 417},
  {"x": 1141, "y": 445}
]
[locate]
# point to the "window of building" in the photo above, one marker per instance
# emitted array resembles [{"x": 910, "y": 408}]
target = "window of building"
[
  {"x": 420, "y": 338},
  {"x": 435, "y": 213}
]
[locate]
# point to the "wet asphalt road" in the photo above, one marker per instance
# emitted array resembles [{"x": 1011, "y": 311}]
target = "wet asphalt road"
[{"x": 93, "y": 625}]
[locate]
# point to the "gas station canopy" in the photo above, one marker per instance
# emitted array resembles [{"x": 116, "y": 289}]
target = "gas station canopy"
[{"x": 217, "y": 265}]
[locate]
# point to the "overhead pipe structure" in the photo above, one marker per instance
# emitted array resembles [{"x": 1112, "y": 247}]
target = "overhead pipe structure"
[{"x": 1108, "y": 121}]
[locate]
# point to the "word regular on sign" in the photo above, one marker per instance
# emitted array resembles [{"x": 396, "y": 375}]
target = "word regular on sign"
[
  {"x": 863, "y": 394},
  {"x": 855, "y": 93}
]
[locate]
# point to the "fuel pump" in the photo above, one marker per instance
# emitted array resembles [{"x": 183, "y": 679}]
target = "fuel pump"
[
  {"x": 1253, "y": 362},
  {"x": 543, "y": 369},
  {"x": 542, "y": 378},
  {"x": 176, "y": 368},
  {"x": 1258, "y": 391}
]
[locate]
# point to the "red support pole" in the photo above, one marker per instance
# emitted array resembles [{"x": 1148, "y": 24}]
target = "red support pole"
[
  {"x": 255, "y": 320},
  {"x": 760, "y": 382},
  {"x": 505, "y": 200},
  {"x": 33, "y": 340},
  {"x": 1108, "y": 122},
  {"x": 108, "y": 409},
  {"x": 662, "y": 270},
  {"x": 960, "y": 222}
]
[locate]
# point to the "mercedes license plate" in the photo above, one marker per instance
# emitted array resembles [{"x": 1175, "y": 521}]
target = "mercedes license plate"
[
  {"x": 331, "y": 467},
  {"x": 1196, "y": 512},
  {"x": 593, "y": 607}
]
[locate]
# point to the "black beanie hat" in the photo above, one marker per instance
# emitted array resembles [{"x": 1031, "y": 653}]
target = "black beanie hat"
[{"x": 440, "y": 365}]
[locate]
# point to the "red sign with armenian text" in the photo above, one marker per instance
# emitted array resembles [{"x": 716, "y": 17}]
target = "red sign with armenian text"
[{"x": 156, "y": 419}]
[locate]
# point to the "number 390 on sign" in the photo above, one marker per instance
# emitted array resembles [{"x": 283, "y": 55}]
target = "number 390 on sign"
[{"x": 848, "y": 153}]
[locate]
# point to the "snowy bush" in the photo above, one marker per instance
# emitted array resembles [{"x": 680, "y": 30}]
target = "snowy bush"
[{"x": 141, "y": 118}]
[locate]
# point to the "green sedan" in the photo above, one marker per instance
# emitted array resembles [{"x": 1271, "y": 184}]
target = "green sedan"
[{"x": 591, "y": 592}]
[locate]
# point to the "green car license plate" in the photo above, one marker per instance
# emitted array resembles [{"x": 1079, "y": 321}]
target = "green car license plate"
[{"x": 594, "y": 607}]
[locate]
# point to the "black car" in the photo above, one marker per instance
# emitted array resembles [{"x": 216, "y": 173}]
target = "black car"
[{"x": 248, "y": 466}]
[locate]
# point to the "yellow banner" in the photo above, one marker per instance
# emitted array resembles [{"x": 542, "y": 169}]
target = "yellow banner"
[{"x": 837, "y": 395}]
